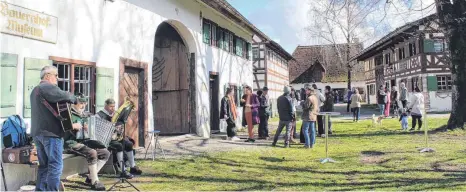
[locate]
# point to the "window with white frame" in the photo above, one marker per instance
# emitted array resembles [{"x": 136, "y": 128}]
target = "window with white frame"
[
  {"x": 439, "y": 45},
  {"x": 79, "y": 82},
  {"x": 444, "y": 82}
]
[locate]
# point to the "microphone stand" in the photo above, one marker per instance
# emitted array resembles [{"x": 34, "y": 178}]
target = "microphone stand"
[{"x": 122, "y": 178}]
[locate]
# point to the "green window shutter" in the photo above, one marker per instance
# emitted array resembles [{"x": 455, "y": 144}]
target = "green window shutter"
[
  {"x": 225, "y": 87},
  {"x": 428, "y": 46},
  {"x": 239, "y": 47},
  {"x": 32, "y": 68},
  {"x": 226, "y": 41},
  {"x": 206, "y": 32},
  {"x": 249, "y": 51},
  {"x": 240, "y": 93},
  {"x": 432, "y": 83},
  {"x": 8, "y": 73},
  {"x": 220, "y": 37},
  {"x": 104, "y": 86}
]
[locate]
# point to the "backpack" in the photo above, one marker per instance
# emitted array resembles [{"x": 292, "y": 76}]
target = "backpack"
[{"x": 14, "y": 132}]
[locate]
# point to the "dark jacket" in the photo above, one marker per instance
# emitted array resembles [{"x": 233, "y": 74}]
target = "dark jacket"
[
  {"x": 329, "y": 102},
  {"x": 264, "y": 109},
  {"x": 254, "y": 102},
  {"x": 104, "y": 115},
  {"x": 43, "y": 122},
  {"x": 381, "y": 97},
  {"x": 70, "y": 136},
  {"x": 285, "y": 108},
  {"x": 225, "y": 108}
]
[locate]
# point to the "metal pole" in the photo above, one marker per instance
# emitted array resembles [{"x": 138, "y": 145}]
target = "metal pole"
[
  {"x": 326, "y": 135},
  {"x": 426, "y": 135}
]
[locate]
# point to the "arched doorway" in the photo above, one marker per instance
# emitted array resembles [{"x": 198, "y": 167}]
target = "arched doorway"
[{"x": 170, "y": 81}]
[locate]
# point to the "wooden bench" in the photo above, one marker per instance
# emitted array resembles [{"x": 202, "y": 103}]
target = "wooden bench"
[{"x": 17, "y": 175}]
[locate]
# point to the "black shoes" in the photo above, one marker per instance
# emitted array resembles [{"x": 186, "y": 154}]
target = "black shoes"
[
  {"x": 135, "y": 170},
  {"x": 250, "y": 140}
]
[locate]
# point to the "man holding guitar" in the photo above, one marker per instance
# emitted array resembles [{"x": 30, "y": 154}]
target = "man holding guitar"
[
  {"x": 47, "y": 130},
  {"x": 76, "y": 142}
]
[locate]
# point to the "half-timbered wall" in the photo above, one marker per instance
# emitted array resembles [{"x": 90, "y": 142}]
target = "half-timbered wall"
[{"x": 419, "y": 61}]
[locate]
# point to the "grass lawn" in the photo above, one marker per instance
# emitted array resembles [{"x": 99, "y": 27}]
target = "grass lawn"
[{"x": 382, "y": 158}]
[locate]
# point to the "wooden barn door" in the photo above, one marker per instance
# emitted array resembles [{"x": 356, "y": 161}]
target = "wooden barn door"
[
  {"x": 132, "y": 85},
  {"x": 170, "y": 86}
]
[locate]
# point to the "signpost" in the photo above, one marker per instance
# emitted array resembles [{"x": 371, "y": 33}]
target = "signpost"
[
  {"x": 426, "y": 136},
  {"x": 327, "y": 121}
]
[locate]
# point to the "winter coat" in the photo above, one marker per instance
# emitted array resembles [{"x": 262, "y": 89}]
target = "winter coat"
[
  {"x": 404, "y": 94},
  {"x": 264, "y": 109},
  {"x": 285, "y": 108},
  {"x": 310, "y": 108},
  {"x": 416, "y": 104},
  {"x": 381, "y": 97},
  {"x": 254, "y": 102},
  {"x": 356, "y": 100},
  {"x": 329, "y": 102}
]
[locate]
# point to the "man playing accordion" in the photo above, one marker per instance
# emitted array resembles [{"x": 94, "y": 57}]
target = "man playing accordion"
[
  {"x": 118, "y": 144},
  {"x": 75, "y": 142}
]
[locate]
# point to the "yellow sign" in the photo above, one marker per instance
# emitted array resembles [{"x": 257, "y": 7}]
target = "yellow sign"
[{"x": 20, "y": 21}]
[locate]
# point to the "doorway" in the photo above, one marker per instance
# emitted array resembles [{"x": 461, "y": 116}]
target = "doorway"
[
  {"x": 170, "y": 82},
  {"x": 393, "y": 82},
  {"x": 132, "y": 86},
  {"x": 214, "y": 103}
]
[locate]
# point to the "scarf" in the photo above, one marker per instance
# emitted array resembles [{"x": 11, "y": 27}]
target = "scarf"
[{"x": 232, "y": 107}]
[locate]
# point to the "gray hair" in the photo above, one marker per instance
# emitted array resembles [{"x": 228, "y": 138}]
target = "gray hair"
[
  {"x": 47, "y": 70},
  {"x": 286, "y": 89},
  {"x": 109, "y": 101}
]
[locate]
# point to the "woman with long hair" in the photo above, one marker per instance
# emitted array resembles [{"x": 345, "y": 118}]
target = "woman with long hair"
[{"x": 250, "y": 104}]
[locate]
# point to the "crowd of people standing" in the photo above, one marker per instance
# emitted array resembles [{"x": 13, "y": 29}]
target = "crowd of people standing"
[{"x": 257, "y": 110}]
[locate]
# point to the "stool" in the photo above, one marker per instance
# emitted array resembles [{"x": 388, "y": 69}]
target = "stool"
[{"x": 154, "y": 135}]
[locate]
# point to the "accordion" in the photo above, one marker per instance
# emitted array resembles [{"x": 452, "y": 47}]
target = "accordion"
[{"x": 100, "y": 130}]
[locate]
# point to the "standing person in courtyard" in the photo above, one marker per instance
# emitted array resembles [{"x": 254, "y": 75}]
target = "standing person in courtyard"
[
  {"x": 286, "y": 115},
  {"x": 348, "y": 98},
  {"x": 416, "y": 106},
  {"x": 250, "y": 104},
  {"x": 320, "y": 101},
  {"x": 228, "y": 112},
  {"x": 388, "y": 101},
  {"x": 403, "y": 95},
  {"x": 264, "y": 114},
  {"x": 294, "y": 102},
  {"x": 381, "y": 99},
  {"x": 328, "y": 107},
  {"x": 309, "y": 117},
  {"x": 395, "y": 101},
  {"x": 46, "y": 129},
  {"x": 356, "y": 100}
]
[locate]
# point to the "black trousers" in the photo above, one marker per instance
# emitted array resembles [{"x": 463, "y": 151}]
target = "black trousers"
[
  {"x": 320, "y": 125},
  {"x": 417, "y": 118},
  {"x": 404, "y": 103},
  {"x": 348, "y": 106},
  {"x": 264, "y": 126},
  {"x": 231, "y": 128}
]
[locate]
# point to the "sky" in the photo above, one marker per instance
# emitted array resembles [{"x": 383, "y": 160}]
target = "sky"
[{"x": 285, "y": 21}]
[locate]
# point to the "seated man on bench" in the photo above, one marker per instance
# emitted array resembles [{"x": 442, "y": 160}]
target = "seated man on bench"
[
  {"x": 96, "y": 156},
  {"x": 118, "y": 145}
]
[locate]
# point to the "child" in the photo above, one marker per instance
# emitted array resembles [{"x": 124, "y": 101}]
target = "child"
[{"x": 404, "y": 119}]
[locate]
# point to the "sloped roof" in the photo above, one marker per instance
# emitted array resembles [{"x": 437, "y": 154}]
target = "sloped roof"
[
  {"x": 327, "y": 55},
  {"x": 388, "y": 39}
]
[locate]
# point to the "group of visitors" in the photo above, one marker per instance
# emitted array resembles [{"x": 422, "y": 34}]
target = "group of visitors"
[
  {"x": 387, "y": 98},
  {"x": 256, "y": 110},
  {"x": 312, "y": 102}
]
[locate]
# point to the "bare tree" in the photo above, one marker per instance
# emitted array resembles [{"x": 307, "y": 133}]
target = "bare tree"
[
  {"x": 339, "y": 22},
  {"x": 452, "y": 16}
]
